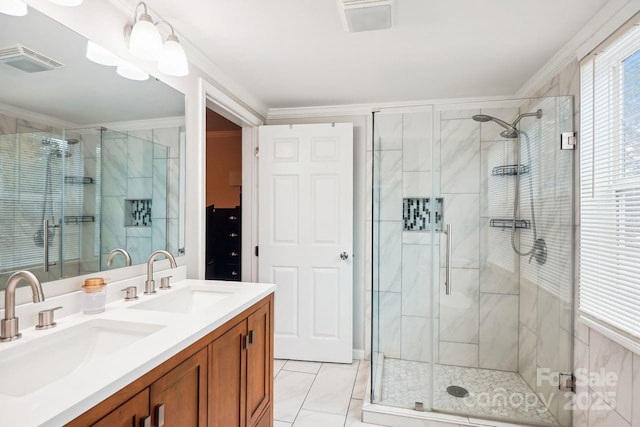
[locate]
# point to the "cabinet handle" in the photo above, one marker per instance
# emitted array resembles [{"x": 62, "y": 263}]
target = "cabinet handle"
[
  {"x": 233, "y": 235},
  {"x": 145, "y": 422},
  {"x": 246, "y": 342},
  {"x": 250, "y": 337},
  {"x": 233, "y": 253},
  {"x": 234, "y": 273},
  {"x": 160, "y": 415},
  {"x": 233, "y": 218}
]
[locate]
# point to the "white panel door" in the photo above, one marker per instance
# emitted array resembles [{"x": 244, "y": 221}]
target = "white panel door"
[{"x": 306, "y": 223}]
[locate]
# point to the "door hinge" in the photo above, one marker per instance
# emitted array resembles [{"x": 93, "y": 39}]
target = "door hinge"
[
  {"x": 568, "y": 141},
  {"x": 256, "y": 152},
  {"x": 255, "y": 251},
  {"x": 567, "y": 382}
]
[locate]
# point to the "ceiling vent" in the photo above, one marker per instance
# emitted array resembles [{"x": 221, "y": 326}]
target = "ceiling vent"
[
  {"x": 26, "y": 59},
  {"x": 366, "y": 15}
]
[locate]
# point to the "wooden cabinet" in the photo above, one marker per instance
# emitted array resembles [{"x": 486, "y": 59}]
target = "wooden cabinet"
[
  {"x": 227, "y": 378},
  {"x": 241, "y": 379},
  {"x": 223, "y": 380},
  {"x": 259, "y": 363},
  {"x": 131, "y": 413},
  {"x": 179, "y": 398}
]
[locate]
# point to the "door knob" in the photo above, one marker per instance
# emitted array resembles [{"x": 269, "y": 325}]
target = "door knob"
[{"x": 344, "y": 256}]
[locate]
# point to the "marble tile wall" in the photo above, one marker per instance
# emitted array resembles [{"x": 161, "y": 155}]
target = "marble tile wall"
[
  {"x": 141, "y": 164},
  {"x": 596, "y": 402},
  {"x": 484, "y": 267},
  {"x": 478, "y": 322},
  {"x": 402, "y": 145}
]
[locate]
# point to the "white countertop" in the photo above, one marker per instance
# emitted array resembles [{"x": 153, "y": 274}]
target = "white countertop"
[{"x": 70, "y": 396}]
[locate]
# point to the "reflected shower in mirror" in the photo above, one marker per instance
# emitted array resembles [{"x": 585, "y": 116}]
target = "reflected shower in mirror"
[{"x": 89, "y": 161}]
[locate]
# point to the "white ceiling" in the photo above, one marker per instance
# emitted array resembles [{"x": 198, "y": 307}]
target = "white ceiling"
[
  {"x": 81, "y": 92},
  {"x": 291, "y": 53}
]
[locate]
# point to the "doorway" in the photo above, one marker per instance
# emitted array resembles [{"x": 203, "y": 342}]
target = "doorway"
[{"x": 223, "y": 198}]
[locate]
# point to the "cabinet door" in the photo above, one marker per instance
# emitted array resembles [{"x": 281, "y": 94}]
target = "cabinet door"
[
  {"x": 227, "y": 380},
  {"x": 259, "y": 363},
  {"x": 179, "y": 398},
  {"x": 266, "y": 420},
  {"x": 130, "y": 414}
]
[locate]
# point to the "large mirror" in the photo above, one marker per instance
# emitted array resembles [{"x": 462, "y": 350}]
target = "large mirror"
[{"x": 90, "y": 161}]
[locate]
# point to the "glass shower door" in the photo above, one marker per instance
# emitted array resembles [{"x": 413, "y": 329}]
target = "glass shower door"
[
  {"x": 505, "y": 331},
  {"x": 404, "y": 223},
  {"x": 32, "y": 165}
]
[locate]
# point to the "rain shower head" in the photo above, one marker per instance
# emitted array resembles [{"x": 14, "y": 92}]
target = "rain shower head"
[
  {"x": 483, "y": 118},
  {"x": 59, "y": 147},
  {"x": 511, "y": 132}
]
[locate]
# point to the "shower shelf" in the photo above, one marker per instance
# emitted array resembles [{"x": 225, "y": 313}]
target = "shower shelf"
[
  {"x": 73, "y": 219},
  {"x": 78, "y": 180},
  {"x": 508, "y": 223},
  {"x": 509, "y": 170}
]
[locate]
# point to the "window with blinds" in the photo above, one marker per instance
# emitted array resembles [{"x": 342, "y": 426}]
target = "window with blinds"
[{"x": 610, "y": 187}]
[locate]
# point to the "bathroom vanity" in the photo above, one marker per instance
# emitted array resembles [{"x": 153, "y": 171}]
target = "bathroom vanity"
[{"x": 199, "y": 354}]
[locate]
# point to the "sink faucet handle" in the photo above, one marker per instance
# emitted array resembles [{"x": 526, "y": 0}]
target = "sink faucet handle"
[
  {"x": 165, "y": 282},
  {"x": 130, "y": 293},
  {"x": 45, "y": 318}
]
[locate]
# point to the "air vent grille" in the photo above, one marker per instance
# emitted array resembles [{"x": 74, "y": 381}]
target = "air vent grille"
[{"x": 26, "y": 59}]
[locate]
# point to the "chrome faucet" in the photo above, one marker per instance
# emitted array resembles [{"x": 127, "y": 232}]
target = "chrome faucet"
[
  {"x": 149, "y": 284},
  {"x": 125, "y": 254},
  {"x": 9, "y": 325}
]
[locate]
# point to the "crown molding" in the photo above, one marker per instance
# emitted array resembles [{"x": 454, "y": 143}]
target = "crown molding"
[
  {"x": 43, "y": 119},
  {"x": 158, "y": 123},
  {"x": 606, "y": 20},
  {"x": 400, "y": 107}
]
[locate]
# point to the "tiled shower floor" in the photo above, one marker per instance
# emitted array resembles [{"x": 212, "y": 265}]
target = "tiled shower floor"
[{"x": 492, "y": 394}]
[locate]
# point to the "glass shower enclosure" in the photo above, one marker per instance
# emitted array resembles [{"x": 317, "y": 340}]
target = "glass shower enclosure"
[
  {"x": 68, "y": 197},
  {"x": 477, "y": 321}
]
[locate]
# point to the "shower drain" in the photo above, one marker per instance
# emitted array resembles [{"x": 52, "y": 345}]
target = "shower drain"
[{"x": 457, "y": 391}]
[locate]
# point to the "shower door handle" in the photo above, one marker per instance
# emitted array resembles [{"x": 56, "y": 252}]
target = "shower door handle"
[
  {"x": 447, "y": 268},
  {"x": 45, "y": 241}
]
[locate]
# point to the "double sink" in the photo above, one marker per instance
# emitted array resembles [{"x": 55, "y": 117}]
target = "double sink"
[{"x": 29, "y": 366}]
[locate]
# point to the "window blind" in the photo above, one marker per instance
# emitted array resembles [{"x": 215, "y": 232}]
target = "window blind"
[{"x": 610, "y": 185}]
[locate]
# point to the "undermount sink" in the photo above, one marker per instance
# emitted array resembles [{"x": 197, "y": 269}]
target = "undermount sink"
[
  {"x": 187, "y": 300},
  {"x": 29, "y": 367}
]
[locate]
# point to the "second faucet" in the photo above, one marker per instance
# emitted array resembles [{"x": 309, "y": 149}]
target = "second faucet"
[{"x": 150, "y": 284}]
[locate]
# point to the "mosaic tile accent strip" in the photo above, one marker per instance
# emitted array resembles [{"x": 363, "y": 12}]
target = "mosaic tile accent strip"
[
  {"x": 492, "y": 394},
  {"x": 415, "y": 213},
  {"x": 140, "y": 212}
]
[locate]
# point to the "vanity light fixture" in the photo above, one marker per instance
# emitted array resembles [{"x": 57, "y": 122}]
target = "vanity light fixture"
[
  {"x": 173, "y": 59},
  {"x": 13, "y": 7},
  {"x": 131, "y": 72},
  {"x": 70, "y": 3},
  {"x": 100, "y": 55},
  {"x": 145, "y": 41}
]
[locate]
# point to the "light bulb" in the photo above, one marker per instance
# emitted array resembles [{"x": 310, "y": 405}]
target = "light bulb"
[
  {"x": 13, "y": 7},
  {"x": 67, "y": 2},
  {"x": 173, "y": 60},
  {"x": 145, "y": 41},
  {"x": 131, "y": 72},
  {"x": 100, "y": 55}
]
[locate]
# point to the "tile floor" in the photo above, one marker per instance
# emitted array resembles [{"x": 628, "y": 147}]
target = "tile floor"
[
  {"x": 493, "y": 394},
  {"x": 313, "y": 394}
]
